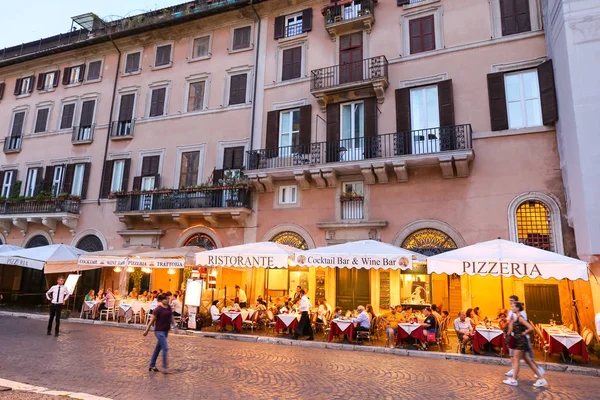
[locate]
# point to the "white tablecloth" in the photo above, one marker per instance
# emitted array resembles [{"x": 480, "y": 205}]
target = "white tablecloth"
[
  {"x": 342, "y": 323},
  {"x": 563, "y": 335},
  {"x": 489, "y": 334},
  {"x": 89, "y": 305},
  {"x": 139, "y": 305},
  {"x": 232, "y": 314},
  {"x": 288, "y": 318},
  {"x": 246, "y": 313},
  {"x": 409, "y": 328}
]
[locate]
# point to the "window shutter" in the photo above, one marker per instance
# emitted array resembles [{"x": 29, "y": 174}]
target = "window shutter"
[
  {"x": 81, "y": 72},
  {"x": 66, "y": 76},
  {"x": 305, "y": 127},
  {"x": 132, "y": 63},
  {"x": 279, "y": 27},
  {"x": 31, "y": 83},
  {"x": 237, "y": 89},
  {"x": 523, "y": 19},
  {"x": 446, "y": 103},
  {"x": 2, "y": 86},
  {"x": 39, "y": 183},
  {"x": 508, "y": 17},
  {"x": 150, "y": 165},
  {"x": 67, "y": 116},
  {"x": 372, "y": 141},
  {"x": 163, "y": 55},
  {"x": 497, "y": 100},
  {"x": 41, "y": 120},
  {"x": 307, "y": 15},
  {"x": 13, "y": 180},
  {"x": 238, "y": 157},
  {"x": 94, "y": 70},
  {"x": 87, "y": 113},
  {"x": 156, "y": 181},
  {"x": 137, "y": 183},
  {"x": 18, "y": 120},
  {"x": 333, "y": 132},
  {"x": 218, "y": 174},
  {"x": 40, "y": 83},
  {"x": 68, "y": 179},
  {"x": 48, "y": 178},
  {"x": 287, "y": 65},
  {"x": 2, "y": 182},
  {"x": 126, "y": 108},
  {"x": 157, "y": 102},
  {"x": 403, "y": 2},
  {"x": 106, "y": 178},
  {"x": 403, "y": 122},
  {"x": 56, "y": 78},
  {"x": 18, "y": 86},
  {"x": 228, "y": 158},
  {"x": 86, "y": 179},
  {"x": 547, "y": 93},
  {"x": 272, "y": 140},
  {"x": 125, "y": 181}
]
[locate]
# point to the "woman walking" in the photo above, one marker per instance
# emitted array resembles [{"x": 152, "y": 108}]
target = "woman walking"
[
  {"x": 518, "y": 330},
  {"x": 162, "y": 318}
]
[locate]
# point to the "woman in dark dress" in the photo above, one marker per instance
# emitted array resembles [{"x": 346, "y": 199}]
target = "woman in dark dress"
[{"x": 519, "y": 328}]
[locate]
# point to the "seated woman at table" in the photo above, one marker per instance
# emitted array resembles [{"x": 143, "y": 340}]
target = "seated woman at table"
[
  {"x": 118, "y": 295},
  {"x": 503, "y": 320},
  {"x": 471, "y": 317},
  {"x": 90, "y": 296},
  {"x": 215, "y": 314},
  {"x": 337, "y": 314},
  {"x": 371, "y": 312},
  {"x": 407, "y": 313},
  {"x": 134, "y": 293},
  {"x": 100, "y": 295},
  {"x": 430, "y": 325}
]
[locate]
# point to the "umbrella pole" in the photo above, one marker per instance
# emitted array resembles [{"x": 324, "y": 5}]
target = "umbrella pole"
[
  {"x": 502, "y": 289},
  {"x": 574, "y": 303}
]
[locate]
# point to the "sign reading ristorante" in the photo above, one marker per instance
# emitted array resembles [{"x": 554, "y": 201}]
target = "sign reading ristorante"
[
  {"x": 520, "y": 270},
  {"x": 242, "y": 261}
]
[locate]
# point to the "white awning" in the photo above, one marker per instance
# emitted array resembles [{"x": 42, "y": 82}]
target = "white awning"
[
  {"x": 251, "y": 255},
  {"x": 504, "y": 258},
  {"x": 109, "y": 258},
  {"x": 178, "y": 257},
  {"x": 367, "y": 254},
  {"x": 49, "y": 257}
]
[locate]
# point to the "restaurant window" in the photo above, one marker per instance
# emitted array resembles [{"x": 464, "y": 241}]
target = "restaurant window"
[
  {"x": 534, "y": 225},
  {"x": 523, "y": 102},
  {"x": 201, "y": 240},
  {"x": 290, "y": 239},
  {"x": 90, "y": 243},
  {"x": 422, "y": 34},
  {"x": 241, "y": 38}
]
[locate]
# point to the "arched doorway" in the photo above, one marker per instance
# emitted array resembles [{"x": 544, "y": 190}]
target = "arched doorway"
[
  {"x": 33, "y": 282},
  {"x": 89, "y": 279},
  {"x": 429, "y": 242},
  {"x": 283, "y": 282},
  {"x": 291, "y": 239}
]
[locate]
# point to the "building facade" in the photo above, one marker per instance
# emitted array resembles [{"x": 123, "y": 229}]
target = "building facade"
[{"x": 308, "y": 123}]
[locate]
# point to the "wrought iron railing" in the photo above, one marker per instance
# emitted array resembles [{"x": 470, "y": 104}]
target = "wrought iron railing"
[
  {"x": 13, "y": 143},
  {"x": 422, "y": 141},
  {"x": 293, "y": 29},
  {"x": 122, "y": 129},
  {"x": 184, "y": 199},
  {"x": 352, "y": 208},
  {"x": 366, "y": 70},
  {"x": 347, "y": 12},
  {"x": 83, "y": 134},
  {"x": 39, "y": 206}
]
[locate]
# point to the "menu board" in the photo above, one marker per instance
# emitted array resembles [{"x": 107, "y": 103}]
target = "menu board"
[
  {"x": 320, "y": 284},
  {"x": 384, "y": 290}
]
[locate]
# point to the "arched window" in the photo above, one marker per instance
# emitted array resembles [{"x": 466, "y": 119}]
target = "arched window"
[
  {"x": 534, "y": 225},
  {"x": 201, "y": 240},
  {"x": 37, "y": 241},
  {"x": 90, "y": 243},
  {"x": 429, "y": 242},
  {"x": 290, "y": 239}
]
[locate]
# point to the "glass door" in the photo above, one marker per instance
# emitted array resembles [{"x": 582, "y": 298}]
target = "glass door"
[
  {"x": 425, "y": 120},
  {"x": 146, "y": 199},
  {"x": 352, "y": 131}
]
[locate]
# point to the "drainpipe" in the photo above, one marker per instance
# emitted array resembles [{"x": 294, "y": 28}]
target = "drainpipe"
[
  {"x": 255, "y": 78},
  {"x": 110, "y": 115}
]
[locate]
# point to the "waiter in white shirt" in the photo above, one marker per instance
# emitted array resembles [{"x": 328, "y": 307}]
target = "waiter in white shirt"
[
  {"x": 240, "y": 297},
  {"x": 58, "y": 295},
  {"x": 304, "y": 327}
]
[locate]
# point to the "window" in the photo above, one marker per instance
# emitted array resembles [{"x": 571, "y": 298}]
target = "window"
[
  {"x": 41, "y": 120},
  {"x": 57, "y": 180},
  {"x": 201, "y": 47},
  {"x": 233, "y": 157},
  {"x": 116, "y": 182},
  {"x": 94, "y": 70},
  {"x": 68, "y": 112},
  {"x": 78, "y": 174},
  {"x": 534, "y": 225},
  {"x": 196, "y": 96},
  {"x": 190, "y": 163},
  {"x": 523, "y": 99},
  {"x": 157, "y": 102},
  {"x": 287, "y": 194},
  {"x": 86, "y": 121},
  {"x": 293, "y": 25},
  {"x": 7, "y": 183},
  {"x": 115, "y": 176},
  {"x": 73, "y": 75},
  {"x": 515, "y": 16},
  {"x": 425, "y": 119},
  {"x": 422, "y": 35},
  {"x": 237, "y": 89},
  {"x": 241, "y": 38},
  {"x": 47, "y": 80},
  {"x": 289, "y": 131},
  {"x": 352, "y": 203},
  {"x": 24, "y": 85},
  {"x": 2, "y": 86},
  {"x": 163, "y": 55},
  {"x": 18, "y": 123},
  {"x": 132, "y": 62},
  {"x": 352, "y": 131},
  {"x": 292, "y": 64},
  {"x": 32, "y": 182}
]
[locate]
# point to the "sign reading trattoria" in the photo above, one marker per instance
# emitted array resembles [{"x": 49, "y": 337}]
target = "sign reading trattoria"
[
  {"x": 520, "y": 270},
  {"x": 354, "y": 262}
]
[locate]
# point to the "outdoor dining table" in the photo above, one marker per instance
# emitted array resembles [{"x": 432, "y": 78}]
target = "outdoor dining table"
[
  {"x": 407, "y": 329},
  {"x": 247, "y": 314},
  {"x": 286, "y": 321},
  {"x": 341, "y": 327},
  {"x": 493, "y": 336},
  {"x": 89, "y": 305},
  {"x": 231, "y": 317},
  {"x": 560, "y": 339},
  {"x": 125, "y": 311}
]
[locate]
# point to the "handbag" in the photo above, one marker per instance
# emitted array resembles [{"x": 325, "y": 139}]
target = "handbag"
[{"x": 431, "y": 337}]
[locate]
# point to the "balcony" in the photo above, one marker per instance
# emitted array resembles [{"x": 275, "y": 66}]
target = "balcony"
[
  {"x": 122, "y": 129},
  {"x": 48, "y": 212},
  {"x": 352, "y": 208},
  {"x": 351, "y": 81},
  {"x": 449, "y": 147},
  {"x": 344, "y": 16},
  {"x": 214, "y": 205},
  {"x": 83, "y": 134},
  {"x": 12, "y": 144}
]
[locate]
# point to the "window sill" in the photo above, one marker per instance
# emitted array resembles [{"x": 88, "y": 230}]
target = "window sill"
[
  {"x": 22, "y": 96},
  {"x": 288, "y": 82},
  {"x": 47, "y": 90},
  {"x": 92, "y": 81},
  {"x": 124, "y": 74},
  {"x": 416, "y": 5},
  {"x": 191, "y": 60},
  {"x": 156, "y": 68},
  {"x": 70, "y": 85},
  {"x": 513, "y": 132},
  {"x": 241, "y": 50},
  {"x": 239, "y": 105},
  {"x": 293, "y": 38}
]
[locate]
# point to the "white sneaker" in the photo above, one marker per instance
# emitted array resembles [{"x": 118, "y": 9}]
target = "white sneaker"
[
  {"x": 509, "y": 373},
  {"x": 511, "y": 382},
  {"x": 540, "y": 382},
  {"x": 541, "y": 371},
  {"x": 391, "y": 346}
]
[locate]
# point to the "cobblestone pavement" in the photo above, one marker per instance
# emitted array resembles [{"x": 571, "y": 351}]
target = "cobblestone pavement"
[{"x": 113, "y": 363}]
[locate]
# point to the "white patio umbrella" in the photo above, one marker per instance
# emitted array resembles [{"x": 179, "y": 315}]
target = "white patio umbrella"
[
  {"x": 8, "y": 247},
  {"x": 251, "y": 255},
  {"x": 52, "y": 258},
  {"x": 367, "y": 254},
  {"x": 504, "y": 258}
]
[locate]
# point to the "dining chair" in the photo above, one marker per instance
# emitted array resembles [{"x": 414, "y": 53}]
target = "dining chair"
[{"x": 109, "y": 310}]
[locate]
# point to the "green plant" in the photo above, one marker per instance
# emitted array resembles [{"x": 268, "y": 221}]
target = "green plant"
[
  {"x": 63, "y": 195},
  {"x": 43, "y": 195},
  {"x": 137, "y": 276},
  {"x": 15, "y": 191},
  {"x": 187, "y": 274}
]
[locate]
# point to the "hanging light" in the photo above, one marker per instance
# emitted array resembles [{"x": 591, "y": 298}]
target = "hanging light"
[
  {"x": 117, "y": 269},
  {"x": 213, "y": 272},
  {"x": 171, "y": 271},
  {"x": 130, "y": 269}
]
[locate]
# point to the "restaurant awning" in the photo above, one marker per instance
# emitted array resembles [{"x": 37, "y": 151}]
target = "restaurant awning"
[
  {"x": 178, "y": 257},
  {"x": 52, "y": 258},
  {"x": 504, "y": 258},
  {"x": 251, "y": 255},
  {"x": 8, "y": 247},
  {"x": 109, "y": 258},
  {"x": 367, "y": 254}
]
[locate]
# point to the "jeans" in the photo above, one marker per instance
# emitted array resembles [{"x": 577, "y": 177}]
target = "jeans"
[
  {"x": 161, "y": 344},
  {"x": 55, "y": 310}
]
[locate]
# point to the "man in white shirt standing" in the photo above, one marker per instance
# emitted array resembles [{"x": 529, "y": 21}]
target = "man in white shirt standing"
[
  {"x": 304, "y": 327},
  {"x": 240, "y": 297},
  {"x": 58, "y": 295}
]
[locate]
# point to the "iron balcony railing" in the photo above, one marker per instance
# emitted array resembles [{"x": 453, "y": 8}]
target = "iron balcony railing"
[
  {"x": 352, "y": 208},
  {"x": 366, "y": 70},
  {"x": 355, "y": 9},
  {"x": 83, "y": 134},
  {"x": 184, "y": 199},
  {"x": 12, "y": 143},
  {"x": 122, "y": 129},
  {"x": 422, "y": 141},
  {"x": 293, "y": 29},
  {"x": 40, "y": 206}
]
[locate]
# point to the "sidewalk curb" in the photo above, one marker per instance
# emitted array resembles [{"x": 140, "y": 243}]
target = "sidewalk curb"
[
  {"x": 23, "y": 387},
  {"x": 572, "y": 369}
]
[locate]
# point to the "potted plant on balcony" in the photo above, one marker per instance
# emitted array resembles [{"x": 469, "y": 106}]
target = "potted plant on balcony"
[
  {"x": 351, "y": 196},
  {"x": 43, "y": 195},
  {"x": 62, "y": 196}
]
